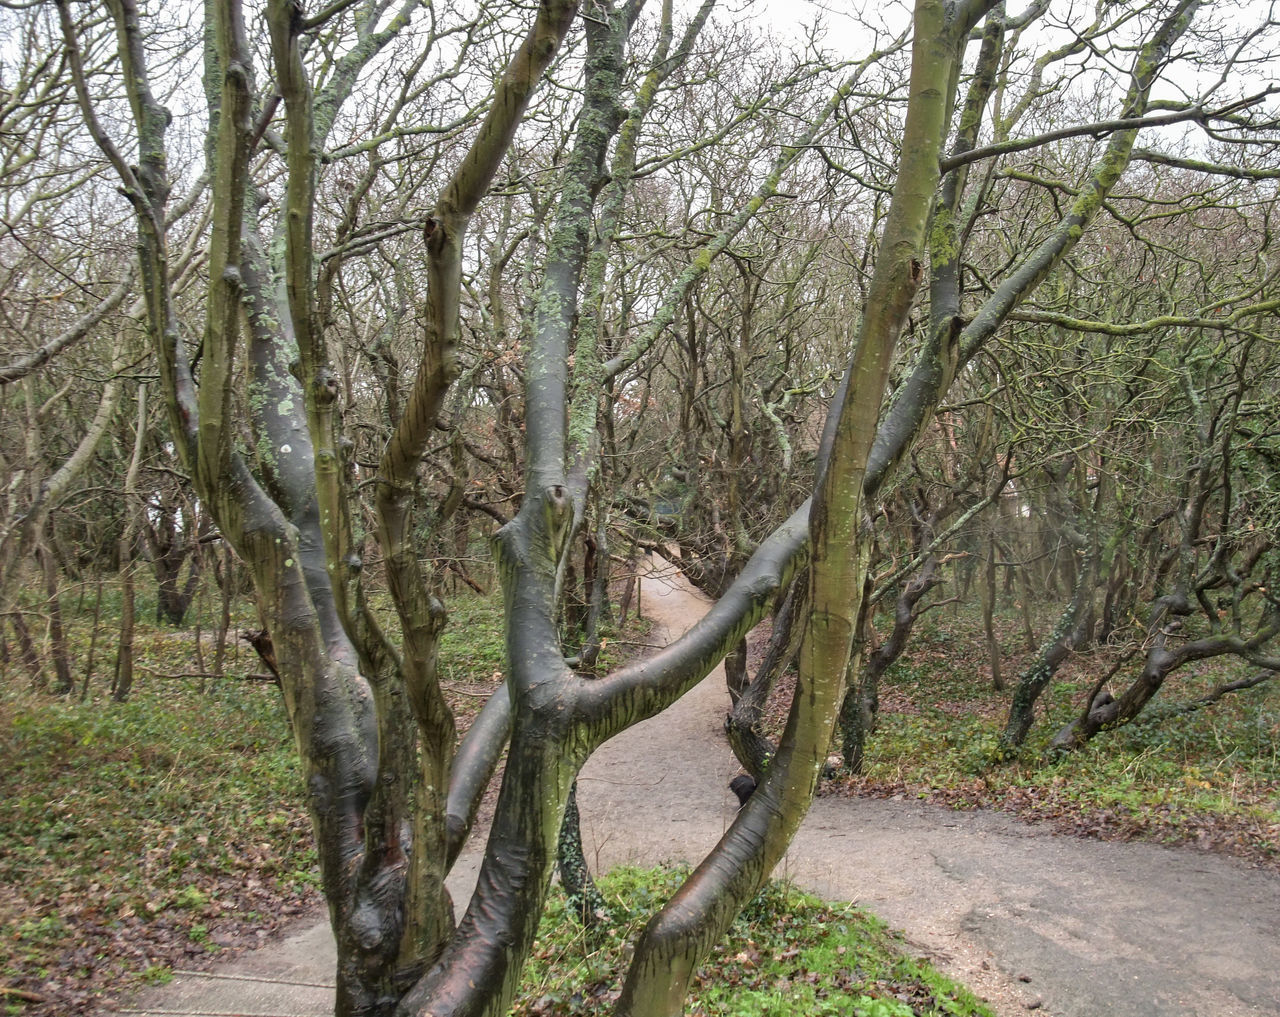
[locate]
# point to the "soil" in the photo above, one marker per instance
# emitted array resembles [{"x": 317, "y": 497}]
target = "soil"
[{"x": 1030, "y": 920}]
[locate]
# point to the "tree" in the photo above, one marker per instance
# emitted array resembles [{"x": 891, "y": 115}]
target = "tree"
[
  {"x": 257, "y": 406},
  {"x": 1154, "y": 447},
  {"x": 54, "y": 293}
]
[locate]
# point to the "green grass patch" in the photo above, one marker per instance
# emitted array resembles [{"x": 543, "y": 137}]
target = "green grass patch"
[
  {"x": 787, "y": 953},
  {"x": 1209, "y": 777},
  {"x": 143, "y": 835},
  {"x": 472, "y": 646}
]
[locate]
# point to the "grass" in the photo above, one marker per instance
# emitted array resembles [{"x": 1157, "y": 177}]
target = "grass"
[
  {"x": 160, "y": 833},
  {"x": 787, "y": 953},
  {"x": 140, "y": 836},
  {"x": 1211, "y": 777}
]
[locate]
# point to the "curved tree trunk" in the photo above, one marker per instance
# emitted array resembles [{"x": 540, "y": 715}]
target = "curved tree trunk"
[
  {"x": 678, "y": 938},
  {"x": 1067, "y": 634},
  {"x": 860, "y": 709},
  {"x": 742, "y": 726}
]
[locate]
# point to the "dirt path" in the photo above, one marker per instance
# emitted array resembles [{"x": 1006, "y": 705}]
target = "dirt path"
[{"x": 1031, "y": 921}]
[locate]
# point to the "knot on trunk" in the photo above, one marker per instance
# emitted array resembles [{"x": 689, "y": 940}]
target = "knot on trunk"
[{"x": 558, "y": 517}]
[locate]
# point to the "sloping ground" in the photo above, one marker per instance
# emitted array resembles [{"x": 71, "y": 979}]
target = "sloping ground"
[{"x": 1067, "y": 926}]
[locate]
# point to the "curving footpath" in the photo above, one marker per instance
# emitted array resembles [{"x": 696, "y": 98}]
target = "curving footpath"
[{"x": 1032, "y": 921}]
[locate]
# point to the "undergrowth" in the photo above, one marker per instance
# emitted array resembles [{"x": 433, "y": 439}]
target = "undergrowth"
[
  {"x": 168, "y": 831},
  {"x": 1210, "y": 777},
  {"x": 146, "y": 835},
  {"x": 787, "y": 953}
]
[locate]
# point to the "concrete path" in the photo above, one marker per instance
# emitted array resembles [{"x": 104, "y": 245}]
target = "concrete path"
[{"x": 1030, "y": 920}]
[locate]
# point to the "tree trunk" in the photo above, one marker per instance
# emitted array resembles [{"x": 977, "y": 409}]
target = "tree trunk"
[
  {"x": 585, "y": 899},
  {"x": 988, "y": 613},
  {"x": 64, "y": 682},
  {"x": 122, "y": 680},
  {"x": 860, "y": 710},
  {"x": 677, "y": 939},
  {"x": 735, "y": 671},
  {"x": 742, "y": 727},
  {"x": 173, "y": 599},
  {"x": 224, "y": 609},
  {"x": 27, "y": 652},
  {"x": 1066, "y": 635},
  {"x": 91, "y": 657}
]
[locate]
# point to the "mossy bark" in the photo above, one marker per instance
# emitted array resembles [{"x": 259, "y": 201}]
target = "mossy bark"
[{"x": 677, "y": 939}]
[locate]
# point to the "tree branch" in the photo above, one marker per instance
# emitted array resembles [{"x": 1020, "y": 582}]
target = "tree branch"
[{"x": 1099, "y": 128}]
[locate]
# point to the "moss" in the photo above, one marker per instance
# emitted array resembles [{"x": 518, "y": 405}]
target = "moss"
[
  {"x": 550, "y": 305},
  {"x": 943, "y": 246}
]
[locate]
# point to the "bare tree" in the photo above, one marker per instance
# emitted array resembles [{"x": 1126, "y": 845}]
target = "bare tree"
[{"x": 256, "y": 407}]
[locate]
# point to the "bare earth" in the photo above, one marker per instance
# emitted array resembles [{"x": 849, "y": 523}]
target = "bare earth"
[{"x": 1030, "y": 920}]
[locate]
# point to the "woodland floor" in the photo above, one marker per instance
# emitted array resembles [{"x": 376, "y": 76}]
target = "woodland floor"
[
  {"x": 1111, "y": 920},
  {"x": 1070, "y": 925},
  {"x": 1030, "y": 919}
]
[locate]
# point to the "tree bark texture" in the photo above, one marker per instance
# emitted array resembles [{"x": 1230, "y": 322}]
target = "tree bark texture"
[{"x": 678, "y": 938}]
